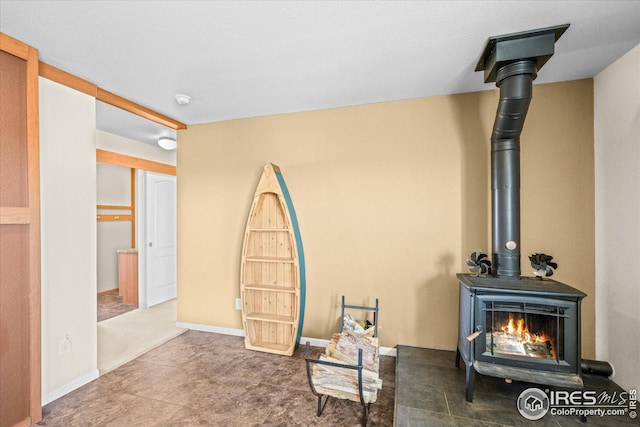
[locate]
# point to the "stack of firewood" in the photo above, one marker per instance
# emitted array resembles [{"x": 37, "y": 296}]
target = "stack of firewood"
[
  {"x": 511, "y": 344},
  {"x": 343, "y": 383}
]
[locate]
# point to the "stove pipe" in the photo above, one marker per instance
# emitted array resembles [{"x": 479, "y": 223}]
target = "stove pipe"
[
  {"x": 515, "y": 83},
  {"x": 512, "y": 61}
]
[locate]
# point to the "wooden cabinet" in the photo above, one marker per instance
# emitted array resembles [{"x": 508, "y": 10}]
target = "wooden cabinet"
[{"x": 128, "y": 275}]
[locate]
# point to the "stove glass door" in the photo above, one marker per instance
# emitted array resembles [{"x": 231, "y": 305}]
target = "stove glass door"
[{"x": 523, "y": 329}]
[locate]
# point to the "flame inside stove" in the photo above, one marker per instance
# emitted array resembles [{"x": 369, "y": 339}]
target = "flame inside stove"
[{"x": 515, "y": 338}]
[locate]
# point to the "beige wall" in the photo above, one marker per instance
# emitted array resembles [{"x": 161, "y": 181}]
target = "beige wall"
[
  {"x": 390, "y": 198},
  {"x": 617, "y": 156}
]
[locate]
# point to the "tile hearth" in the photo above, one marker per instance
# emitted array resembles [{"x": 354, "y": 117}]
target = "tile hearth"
[{"x": 431, "y": 392}]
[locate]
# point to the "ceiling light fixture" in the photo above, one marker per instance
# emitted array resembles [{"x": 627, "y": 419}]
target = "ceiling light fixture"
[
  {"x": 167, "y": 143},
  {"x": 182, "y": 99}
]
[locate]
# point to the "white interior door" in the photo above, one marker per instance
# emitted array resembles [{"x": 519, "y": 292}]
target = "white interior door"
[{"x": 160, "y": 238}]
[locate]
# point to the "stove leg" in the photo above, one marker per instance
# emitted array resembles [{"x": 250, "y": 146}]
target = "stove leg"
[
  {"x": 471, "y": 379},
  {"x": 470, "y": 376}
]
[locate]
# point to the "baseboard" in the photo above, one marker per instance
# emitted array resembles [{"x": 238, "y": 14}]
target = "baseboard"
[
  {"x": 109, "y": 291},
  {"x": 68, "y": 388},
  {"x": 388, "y": 351},
  {"x": 208, "y": 328},
  {"x": 316, "y": 342}
]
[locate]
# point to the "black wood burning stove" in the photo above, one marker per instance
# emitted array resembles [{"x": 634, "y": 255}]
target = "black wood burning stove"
[
  {"x": 511, "y": 326},
  {"x": 526, "y": 330}
]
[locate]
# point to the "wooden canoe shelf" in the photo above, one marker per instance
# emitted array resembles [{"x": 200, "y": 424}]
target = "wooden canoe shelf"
[{"x": 272, "y": 270}]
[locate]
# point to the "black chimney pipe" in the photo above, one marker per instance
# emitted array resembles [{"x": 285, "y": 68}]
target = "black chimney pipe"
[
  {"x": 512, "y": 61},
  {"x": 515, "y": 83}
]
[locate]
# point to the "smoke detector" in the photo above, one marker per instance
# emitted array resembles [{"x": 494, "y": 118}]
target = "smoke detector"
[{"x": 182, "y": 99}]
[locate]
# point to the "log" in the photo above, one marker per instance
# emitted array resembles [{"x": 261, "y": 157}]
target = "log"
[
  {"x": 346, "y": 350},
  {"x": 510, "y": 344},
  {"x": 342, "y": 383}
]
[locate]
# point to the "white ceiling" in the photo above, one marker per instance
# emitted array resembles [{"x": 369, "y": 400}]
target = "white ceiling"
[{"x": 239, "y": 59}]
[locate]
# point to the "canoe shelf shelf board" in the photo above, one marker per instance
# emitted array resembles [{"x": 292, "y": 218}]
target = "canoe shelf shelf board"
[
  {"x": 270, "y": 259},
  {"x": 269, "y": 288},
  {"x": 265, "y": 317},
  {"x": 272, "y": 282}
]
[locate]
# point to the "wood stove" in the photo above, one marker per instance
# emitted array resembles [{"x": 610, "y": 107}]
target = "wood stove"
[{"x": 526, "y": 329}]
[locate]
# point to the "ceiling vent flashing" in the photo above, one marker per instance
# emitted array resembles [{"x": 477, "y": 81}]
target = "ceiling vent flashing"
[{"x": 536, "y": 45}]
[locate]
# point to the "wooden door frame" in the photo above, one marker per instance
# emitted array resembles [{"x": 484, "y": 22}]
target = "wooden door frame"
[{"x": 31, "y": 216}]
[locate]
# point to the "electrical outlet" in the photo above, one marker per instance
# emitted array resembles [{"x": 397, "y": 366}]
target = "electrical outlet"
[
  {"x": 238, "y": 303},
  {"x": 64, "y": 345}
]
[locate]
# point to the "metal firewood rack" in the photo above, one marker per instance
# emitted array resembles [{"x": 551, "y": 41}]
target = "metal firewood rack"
[{"x": 359, "y": 367}]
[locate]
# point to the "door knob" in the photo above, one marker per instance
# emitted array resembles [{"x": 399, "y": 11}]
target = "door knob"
[{"x": 150, "y": 244}]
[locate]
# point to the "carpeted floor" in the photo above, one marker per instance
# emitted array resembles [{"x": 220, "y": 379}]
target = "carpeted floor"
[
  {"x": 129, "y": 335},
  {"x": 207, "y": 379}
]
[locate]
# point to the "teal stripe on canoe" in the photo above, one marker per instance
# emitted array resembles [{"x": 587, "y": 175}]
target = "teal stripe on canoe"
[{"x": 296, "y": 232}]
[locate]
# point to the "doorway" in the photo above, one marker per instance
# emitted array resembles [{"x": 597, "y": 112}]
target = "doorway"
[
  {"x": 152, "y": 220},
  {"x": 135, "y": 206}
]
